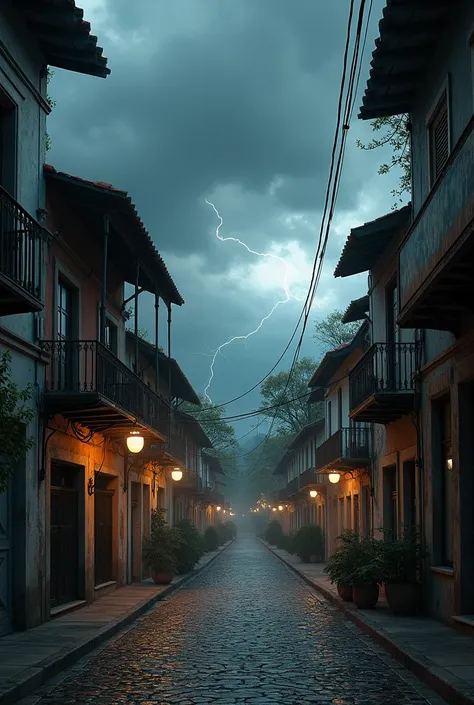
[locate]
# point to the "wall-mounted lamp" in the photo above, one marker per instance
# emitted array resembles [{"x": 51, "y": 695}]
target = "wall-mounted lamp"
[
  {"x": 334, "y": 477},
  {"x": 280, "y": 508},
  {"x": 176, "y": 474},
  {"x": 135, "y": 442},
  {"x": 449, "y": 463},
  {"x": 218, "y": 509},
  {"x": 313, "y": 494}
]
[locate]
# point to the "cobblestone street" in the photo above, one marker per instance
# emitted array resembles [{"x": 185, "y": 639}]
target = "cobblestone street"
[{"x": 246, "y": 630}]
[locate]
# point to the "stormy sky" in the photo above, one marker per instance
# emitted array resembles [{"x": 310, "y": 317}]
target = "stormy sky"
[{"x": 233, "y": 101}]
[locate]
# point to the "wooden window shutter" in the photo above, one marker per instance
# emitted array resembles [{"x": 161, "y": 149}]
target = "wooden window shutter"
[{"x": 439, "y": 137}]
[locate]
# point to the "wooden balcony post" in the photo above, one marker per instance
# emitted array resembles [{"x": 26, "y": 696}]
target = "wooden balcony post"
[
  {"x": 103, "y": 303},
  {"x": 157, "y": 353},
  {"x": 169, "y": 369}
]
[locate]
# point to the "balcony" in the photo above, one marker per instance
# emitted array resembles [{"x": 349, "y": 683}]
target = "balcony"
[
  {"x": 436, "y": 262},
  {"x": 348, "y": 448},
  {"x": 21, "y": 258},
  {"x": 190, "y": 483},
  {"x": 308, "y": 478},
  {"x": 87, "y": 383},
  {"x": 381, "y": 385}
]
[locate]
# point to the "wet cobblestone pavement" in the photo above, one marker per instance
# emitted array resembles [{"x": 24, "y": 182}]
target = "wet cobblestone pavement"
[{"x": 246, "y": 630}]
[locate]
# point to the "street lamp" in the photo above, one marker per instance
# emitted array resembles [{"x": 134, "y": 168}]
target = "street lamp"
[
  {"x": 177, "y": 474},
  {"x": 334, "y": 477},
  {"x": 218, "y": 509},
  {"x": 313, "y": 494},
  {"x": 280, "y": 508},
  {"x": 135, "y": 442},
  {"x": 274, "y": 509}
]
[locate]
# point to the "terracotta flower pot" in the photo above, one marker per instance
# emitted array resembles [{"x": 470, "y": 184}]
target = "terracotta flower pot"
[
  {"x": 403, "y": 598},
  {"x": 365, "y": 596},
  {"x": 345, "y": 592},
  {"x": 162, "y": 577}
]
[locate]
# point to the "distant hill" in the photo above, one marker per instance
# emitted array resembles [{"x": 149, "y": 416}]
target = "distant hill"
[{"x": 246, "y": 446}]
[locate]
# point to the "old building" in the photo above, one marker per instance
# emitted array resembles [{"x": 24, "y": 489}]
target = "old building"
[
  {"x": 427, "y": 78},
  {"x": 302, "y": 498},
  {"x": 343, "y": 459},
  {"x": 381, "y": 385},
  {"x": 31, "y": 39},
  {"x": 98, "y": 495}
]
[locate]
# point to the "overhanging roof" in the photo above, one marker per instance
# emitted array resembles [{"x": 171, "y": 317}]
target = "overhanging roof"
[
  {"x": 331, "y": 362},
  {"x": 63, "y": 36},
  {"x": 283, "y": 462},
  {"x": 213, "y": 462},
  {"x": 356, "y": 310},
  {"x": 195, "y": 429},
  {"x": 366, "y": 243},
  {"x": 306, "y": 432},
  {"x": 93, "y": 200},
  {"x": 409, "y": 32},
  {"x": 180, "y": 385}
]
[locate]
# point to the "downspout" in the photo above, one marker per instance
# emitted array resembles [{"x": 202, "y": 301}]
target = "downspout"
[
  {"x": 137, "y": 278},
  {"x": 103, "y": 303}
]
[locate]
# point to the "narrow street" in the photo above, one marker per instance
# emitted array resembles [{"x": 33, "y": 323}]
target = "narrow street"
[{"x": 246, "y": 630}]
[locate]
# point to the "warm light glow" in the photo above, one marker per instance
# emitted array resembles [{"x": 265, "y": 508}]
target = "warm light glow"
[
  {"x": 334, "y": 477},
  {"x": 218, "y": 509},
  {"x": 313, "y": 493},
  {"x": 135, "y": 442},
  {"x": 280, "y": 508},
  {"x": 449, "y": 463},
  {"x": 274, "y": 509},
  {"x": 177, "y": 474}
]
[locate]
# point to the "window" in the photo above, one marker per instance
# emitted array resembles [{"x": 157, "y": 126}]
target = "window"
[
  {"x": 438, "y": 132},
  {"x": 8, "y": 144},
  {"x": 111, "y": 336},
  {"x": 64, "y": 311},
  {"x": 329, "y": 420},
  {"x": 366, "y": 510},
  {"x": 447, "y": 485},
  {"x": 339, "y": 408},
  {"x": 390, "y": 509}
]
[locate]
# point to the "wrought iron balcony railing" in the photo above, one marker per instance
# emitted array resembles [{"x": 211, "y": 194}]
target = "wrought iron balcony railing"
[
  {"x": 352, "y": 443},
  {"x": 312, "y": 477},
  {"x": 21, "y": 238},
  {"x": 386, "y": 368},
  {"x": 81, "y": 367}
]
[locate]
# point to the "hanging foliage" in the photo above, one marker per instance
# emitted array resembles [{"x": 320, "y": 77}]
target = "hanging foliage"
[{"x": 15, "y": 415}]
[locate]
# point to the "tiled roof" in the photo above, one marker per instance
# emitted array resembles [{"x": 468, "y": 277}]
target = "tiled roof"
[
  {"x": 213, "y": 462},
  {"x": 126, "y": 209},
  {"x": 195, "y": 430},
  {"x": 356, "y": 310},
  {"x": 306, "y": 432},
  {"x": 63, "y": 35}
]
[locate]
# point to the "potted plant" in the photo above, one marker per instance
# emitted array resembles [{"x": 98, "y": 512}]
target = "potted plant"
[
  {"x": 401, "y": 568},
  {"x": 340, "y": 564},
  {"x": 309, "y": 544},
  {"x": 191, "y": 549},
  {"x": 160, "y": 549},
  {"x": 366, "y": 573}
]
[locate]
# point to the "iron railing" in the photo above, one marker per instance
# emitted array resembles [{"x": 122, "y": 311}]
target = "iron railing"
[
  {"x": 21, "y": 238},
  {"x": 352, "y": 443},
  {"x": 385, "y": 368},
  {"x": 88, "y": 366},
  {"x": 312, "y": 477}
]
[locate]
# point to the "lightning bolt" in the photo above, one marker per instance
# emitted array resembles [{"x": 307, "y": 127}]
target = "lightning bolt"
[{"x": 288, "y": 294}]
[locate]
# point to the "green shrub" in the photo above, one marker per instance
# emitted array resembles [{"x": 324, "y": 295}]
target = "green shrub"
[
  {"x": 285, "y": 543},
  {"x": 308, "y": 542},
  {"x": 274, "y": 533},
  {"x": 356, "y": 561},
  {"x": 161, "y": 548},
  {"x": 224, "y": 533},
  {"x": 232, "y": 528},
  {"x": 192, "y": 546},
  {"x": 211, "y": 539}
]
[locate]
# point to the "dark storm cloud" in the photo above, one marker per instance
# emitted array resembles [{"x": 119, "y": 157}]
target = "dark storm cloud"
[{"x": 242, "y": 97}]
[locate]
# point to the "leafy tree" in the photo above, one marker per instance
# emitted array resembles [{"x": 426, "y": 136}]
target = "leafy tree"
[
  {"x": 211, "y": 417},
  {"x": 290, "y": 399},
  {"x": 261, "y": 463},
  {"x": 15, "y": 414},
  {"x": 52, "y": 104},
  {"x": 395, "y": 134},
  {"x": 331, "y": 332}
]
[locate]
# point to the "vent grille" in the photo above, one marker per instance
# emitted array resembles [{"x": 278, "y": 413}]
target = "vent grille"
[{"x": 439, "y": 138}]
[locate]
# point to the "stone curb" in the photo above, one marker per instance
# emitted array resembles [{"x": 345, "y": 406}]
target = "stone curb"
[
  {"x": 36, "y": 676},
  {"x": 435, "y": 681}
]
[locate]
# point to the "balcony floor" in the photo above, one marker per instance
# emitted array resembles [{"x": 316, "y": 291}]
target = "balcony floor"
[
  {"x": 14, "y": 299},
  {"x": 384, "y": 407},
  {"x": 94, "y": 411},
  {"x": 343, "y": 463}
]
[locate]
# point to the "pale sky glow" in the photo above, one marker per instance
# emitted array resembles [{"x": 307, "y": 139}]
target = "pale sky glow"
[{"x": 233, "y": 101}]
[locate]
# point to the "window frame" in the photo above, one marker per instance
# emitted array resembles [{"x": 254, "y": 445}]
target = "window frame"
[{"x": 432, "y": 112}]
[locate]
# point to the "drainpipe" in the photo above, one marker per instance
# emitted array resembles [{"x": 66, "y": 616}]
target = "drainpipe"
[
  {"x": 103, "y": 303},
  {"x": 137, "y": 278},
  {"x": 157, "y": 354}
]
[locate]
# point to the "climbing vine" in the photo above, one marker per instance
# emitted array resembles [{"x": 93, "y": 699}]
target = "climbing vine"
[{"x": 15, "y": 415}]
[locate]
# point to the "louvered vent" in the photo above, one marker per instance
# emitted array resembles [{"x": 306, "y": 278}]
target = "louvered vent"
[{"x": 439, "y": 138}]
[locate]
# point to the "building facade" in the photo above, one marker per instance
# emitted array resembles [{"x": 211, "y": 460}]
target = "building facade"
[
  {"x": 428, "y": 79},
  {"x": 30, "y": 41}
]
